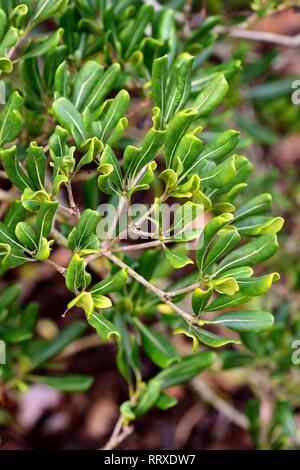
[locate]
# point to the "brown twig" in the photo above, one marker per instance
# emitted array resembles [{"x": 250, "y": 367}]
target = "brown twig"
[
  {"x": 119, "y": 434},
  {"x": 59, "y": 238},
  {"x": 260, "y": 36},
  {"x": 209, "y": 396},
  {"x": 60, "y": 269},
  {"x": 163, "y": 296},
  {"x": 72, "y": 203}
]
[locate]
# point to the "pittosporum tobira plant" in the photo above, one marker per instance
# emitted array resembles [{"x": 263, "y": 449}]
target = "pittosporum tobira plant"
[{"x": 68, "y": 122}]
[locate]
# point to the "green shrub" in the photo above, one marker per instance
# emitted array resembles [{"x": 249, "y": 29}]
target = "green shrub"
[{"x": 67, "y": 120}]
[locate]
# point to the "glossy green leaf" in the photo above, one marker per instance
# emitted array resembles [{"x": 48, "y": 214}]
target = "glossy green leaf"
[
  {"x": 250, "y": 254},
  {"x": 179, "y": 84},
  {"x": 26, "y": 235},
  {"x": 88, "y": 77},
  {"x": 255, "y": 206},
  {"x": 254, "y": 321},
  {"x": 178, "y": 126},
  {"x": 186, "y": 224},
  {"x": 259, "y": 225},
  {"x": 165, "y": 402},
  {"x": 115, "y": 112},
  {"x": 225, "y": 285},
  {"x": 110, "y": 180},
  {"x": 45, "y": 9},
  {"x": 225, "y": 301},
  {"x": 13, "y": 169},
  {"x": 10, "y": 119},
  {"x": 225, "y": 243},
  {"x": 68, "y": 116},
  {"x": 204, "y": 336},
  {"x": 36, "y": 165},
  {"x": 45, "y": 218},
  {"x": 219, "y": 175},
  {"x": 185, "y": 370},
  {"x": 105, "y": 329},
  {"x": 200, "y": 298},
  {"x": 135, "y": 159},
  {"x": 85, "y": 301},
  {"x": 254, "y": 286},
  {"x": 53, "y": 60},
  {"x": 177, "y": 260},
  {"x": 159, "y": 84},
  {"x": 209, "y": 232},
  {"x": 157, "y": 348},
  {"x": 212, "y": 95},
  {"x": 82, "y": 238},
  {"x": 64, "y": 383},
  {"x": 11, "y": 251},
  {"x": 9, "y": 40},
  {"x": 188, "y": 151},
  {"x": 111, "y": 284},
  {"x": 103, "y": 87},
  {"x": 148, "y": 397},
  {"x": 136, "y": 30},
  {"x": 6, "y": 65},
  {"x": 43, "y": 47},
  {"x": 221, "y": 146}
]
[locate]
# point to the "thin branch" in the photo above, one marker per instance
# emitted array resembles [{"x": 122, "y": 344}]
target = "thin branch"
[
  {"x": 72, "y": 203},
  {"x": 120, "y": 433},
  {"x": 59, "y": 238},
  {"x": 60, "y": 269},
  {"x": 184, "y": 290},
  {"x": 81, "y": 344},
  {"x": 139, "y": 246},
  {"x": 225, "y": 408},
  {"x": 163, "y": 296},
  {"x": 114, "y": 224},
  {"x": 136, "y": 225},
  {"x": 7, "y": 195},
  {"x": 65, "y": 210},
  {"x": 260, "y": 36}
]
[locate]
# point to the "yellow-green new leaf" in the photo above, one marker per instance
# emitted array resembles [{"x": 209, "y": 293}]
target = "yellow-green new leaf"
[
  {"x": 85, "y": 301},
  {"x": 76, "y": 276},
  {"x": 254, "y": 286},
  {"x": 177, "y": 260}
]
